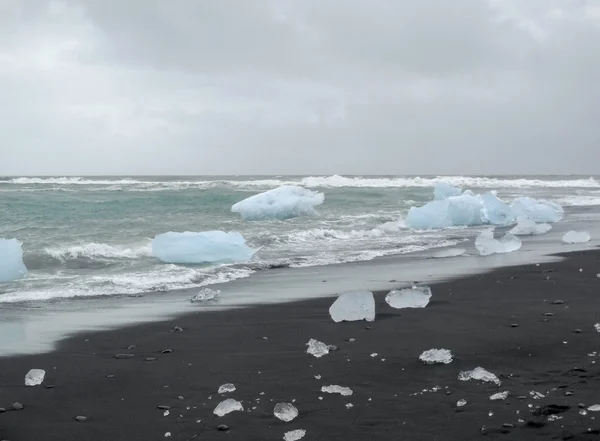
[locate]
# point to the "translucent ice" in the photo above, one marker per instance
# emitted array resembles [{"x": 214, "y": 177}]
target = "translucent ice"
[
  {"x": 486, "y": 244},
  {"x": 436, "y": 356},
  {"x": 594, "y": 408},
  {"x": 461, "y": 403},
  {"x": 204, "y": 247},
  {"x": 353, "y": 306},
  {"x": 444, "y": 191},
  {"x": 527, "y": 227},
  {"x": 285, "y": 411},
  {"x": 280, "y": 203},
  {"x": 294, "y": 435},
  {"x": 479, "y": 374},
  {"x": 576, "y": 237},
  {"x": 226, "y": 388},
  {"x": 335, "y": 389},
  {"x": 450, "y": 252},
  {"x": 205, "y": 294},
  {"x": 537, "y": 210},
  {"x": 11, "y": 260},
  {"x": 465, "y": 209},
  {"x": 495, "y": 211},
  {"x": 415, "y": 297},
  {"x": 317, "y": 348},
  {"x": 499, "y": 396},
  {"x": 228, "y": 406},
  {"x": 35, "y": 377}
]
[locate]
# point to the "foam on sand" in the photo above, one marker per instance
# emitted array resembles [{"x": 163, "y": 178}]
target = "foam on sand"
[
  {"x": 280, "y": 203},
  {"x": 11, "y": 260}
]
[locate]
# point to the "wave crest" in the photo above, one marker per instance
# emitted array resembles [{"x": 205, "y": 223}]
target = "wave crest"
[{"x": 95, "y": 250}]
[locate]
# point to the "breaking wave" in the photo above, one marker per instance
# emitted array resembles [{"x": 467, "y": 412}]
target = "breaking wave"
[{"x": 95, "y": 250}]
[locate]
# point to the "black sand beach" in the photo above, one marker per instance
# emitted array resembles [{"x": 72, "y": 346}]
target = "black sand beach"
[{"x": 262, "y": 351}]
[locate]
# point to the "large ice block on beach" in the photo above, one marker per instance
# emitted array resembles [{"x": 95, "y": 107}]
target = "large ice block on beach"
[
  {"x": 353, "y": 306},
  {"x": 204, "y": 247},
  {"x": 11, "y": 260},
  {"x": 576, "y": 237},
  {"x": 537, "y": 210},
  {"x": 443, "y": 191},
  {"x": 486, "y": 244},
  {"x": 415, "y": 297},
  {"x": 464, "y": 210},
  {"x": 280, "y": 203},
  {"x": 527, "y": 227},
  {"x": 495, "y": 211}
]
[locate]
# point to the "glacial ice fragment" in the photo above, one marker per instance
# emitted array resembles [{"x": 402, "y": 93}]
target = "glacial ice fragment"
[
  {"x": 226, "y": 388},
  {"x": 450, "y": 252},
  {"x": 335, "y": 389},
  {"x": 294, "y": 435},
  {"x": 11, "y": 260},
  {"x": 495, "y": 211},
  {"x": 228, "y": 406},
  {"x": 443, "y": 191},
  {"x": 461, "y": 403},
  {"x": 280, "y": 203},
  {"x": 463, "y": 210},
  {"x": 576, "y": 237},
  {"x": 486, "y": 244},
  {"x": 527, "y": 227},
  {"x": 479, "y": 374},
  {"x": 353, "y": 306},
  {"x": 415, "y": 297},
  {"x": 203, "y": 247},
  {"x": 499, "y": 396},
  {"x": 537, "y": 210},
  {"x": 285, "y": 412},
  {"x": 317, "y": 348},
  {"x": 594, "y": 408},
  {"x": 436, "y": 356},
  {"x": 205, "y": 294},
  {"x": 35, "y": 377}
]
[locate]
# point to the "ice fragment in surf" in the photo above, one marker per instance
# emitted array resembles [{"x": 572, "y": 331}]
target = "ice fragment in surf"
[
  {"x": 576, "y": 237},
  {"x": 285, "y": 411},
  {"x": 353, "y": 306},
  {"x": 450, "y": 252},
  {"x": 226, "y": 388},
  {"x": 317, "y": 348},
  {"x": 335, "y": 389},
  {"x": 205, "y": 294},
  {"x": 436, "y": 356},
  {"x": 527, "y": 227},
  {"x": 280, "y": 203},
  {"x": 464, "y": 210},
  {"x": 228, "y": 406},
  {"x": 479, "y": 374},
  {"x": 499, "y": 396},
  {"x": 294, "y": 435},
  {"x": 204, "y": 247},
  {"x": 486, "y": 244},
  {"x": 35, "y": 377},
  {"x": 443, "y": 191},
  {"x": 11, "y": 260},
  {"x": 415, "y": 297},
  {"x": 537, "y": 210}
]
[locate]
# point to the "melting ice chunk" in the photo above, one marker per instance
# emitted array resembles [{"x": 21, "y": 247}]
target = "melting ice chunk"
[
  {"x": 537, "y": 210},
  {"x": 317, "y": 348},
  {"x": 436, "y": 356},
  {"x": 335, "y": 389},
  {"x": 527, "y": 227},
  {"x": 11, "y": 260},
  {"x": 228, "y": 406},
  {"x": 35, "y": 377},
  {"x": 353, "y": 306},
  {"x": 205, "y": 294},
  {"x": 486, "y": 244},
  {"x": 495, "y": 211},
  {"x": 415, "y": 297},
  {"x": 285, "y": 411},
  {"x": 443, "y": 191},
  {"x": 479, "y": 374},
  {"x": 227, "y": 388},
  {"x": 450, "y": 252},
  {"x": 461, "y": 403},
  {"x": 594, "y": 408},
  {"x": 280, "y": 203},
  {"x": 499, "y": 396},
  {"x": 294, "y": 435},
  {"x": 597, "y": 327},
  {"x": 576, "y": 237}
]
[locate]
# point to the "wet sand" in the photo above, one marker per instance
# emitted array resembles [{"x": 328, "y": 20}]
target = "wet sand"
[{"x": 262, "y": 351}]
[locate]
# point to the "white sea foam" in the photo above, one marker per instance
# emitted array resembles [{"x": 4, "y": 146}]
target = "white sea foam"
[{"x": 95, "y": 250}]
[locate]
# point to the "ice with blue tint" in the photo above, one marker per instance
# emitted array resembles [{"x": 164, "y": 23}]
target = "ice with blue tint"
[
  {"x": 11, "y": 260},
  {"x": 444, "y": 191},
  {"x": 486, "y": 244},
  {"x": 537, "y": 210},
  {"x": 465, "y": 209},
  {"x": 203, "y": 247},
  {"x": 495, "y": 211},
  {"x": 280, "y": 203}
]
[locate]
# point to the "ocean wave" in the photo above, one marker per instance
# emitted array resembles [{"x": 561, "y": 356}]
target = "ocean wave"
[
  {"x": 95, "y": 250},
  {"x": 579, "y": 201}
]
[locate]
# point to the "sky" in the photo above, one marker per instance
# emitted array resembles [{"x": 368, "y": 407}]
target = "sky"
[{"x": 137, "y": 87}]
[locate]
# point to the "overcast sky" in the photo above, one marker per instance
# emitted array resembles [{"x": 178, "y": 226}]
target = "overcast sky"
[{"x": 299, "y": 87}]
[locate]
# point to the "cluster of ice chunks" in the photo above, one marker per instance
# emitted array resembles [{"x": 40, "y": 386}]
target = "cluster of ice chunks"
[
  {"x": 202, "y": 247},
  {"x": 436, "y": 356},
  {"x": 11, "y": 260},
  {"x": 479, "y": 374},
  {"x": 317, "y": 348},
  {"x": 486, "y": 244},
  {"x": 280, "y": 203},
  {"x": 415, "y": 297},
  {"x": 353, "y": 306},
  {"x": 527, "y": 227},
  {"x": 576, "y": 237}
]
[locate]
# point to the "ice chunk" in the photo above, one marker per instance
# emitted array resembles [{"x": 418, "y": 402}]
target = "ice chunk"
[
  {"x": 443, "y": 191},
  {"x": 317, "y": 348},
  {"x": 450, "y": 252},
  {"x": 499, "y": 396},
  {"x": 576, "y": 237},
  {"x": 436, "y": 356},
  {"x": 35, "y": 377},
  {"x": 479, "y": 374},
  {"x": 285, "y": 411},
  {"x": 204, "y": 247},
  {"x": 353, "y": 306},
  {"x": 527, "y": 227},
  {"x": 594, "y": 408},
  {"x": 294, "y": 435},
  {"x": 486, "y": 244},
  {"x": 228, "y": 406},
  {"x": 280, "y": 203},
  {"x": 11, "y": 260},
  {"x": 461, "y": 403},
  {"x": 227, "y": 388},
  {"x": 463, "y": 210},
  {"x": 597, "y": 327},
  {"x": 537, "y": 210},
  {"x": 335, "y": 389},
  {"x": 495, "y": 211},
  {"x": 415, "y": 297},
  {"x": 205, "y": 294}
]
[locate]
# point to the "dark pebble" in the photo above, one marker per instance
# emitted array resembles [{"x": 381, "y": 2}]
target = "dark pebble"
[
  {"x": 393, "y": 280},
  {"x": 581, "y": 406},
  {"x": 448, "y": 392},
  {"x": 17, "y": 406},
  {"x": 130, "y": 347},
  {"x": 177, "y": 329},
  {"x": 577, "y": 331},
  {"x": 150, "y": 358},
  {"x": 549, "y": 314},
  {"x": 558, "y": 302},
  {"x": 123, "y": 356},
  {"x": 508, "y": 425},
  {"x": 167, "y": 351},
  {"x": 2, "y": 409},
  {"x": 332, "y": 348},
  {"x": 550, "y": 409},
  {"x": 80, "y": 418},
  {"x": 514, "y": 325},
  {"x": 50, "y": 386},
  {"x": 536, "y": 424},
  {"x": 222, "y": 427},
  {"x": 163, "y": 407}
]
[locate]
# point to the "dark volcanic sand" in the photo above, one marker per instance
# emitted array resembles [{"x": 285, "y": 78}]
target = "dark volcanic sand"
[{"x": 471, "y": 317}]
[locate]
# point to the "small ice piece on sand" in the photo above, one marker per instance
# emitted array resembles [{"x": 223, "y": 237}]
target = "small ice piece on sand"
[
  {"x": 285, "y": 411},
  {"x": 415, "y": 297},
  {"x": 450, "y": 252},
  {"x": 594, "y": 408},
  {"x": 436, "y": 356},
  {"x": 294, "y": 435},
  {"x": 527, "y": 227},
  {"x": 205, "y": 294},
  {"x": 536, "y": 395},
  {"x": 487, "y": 245},
  {"x": 479, "y": 374},
  {"x": 499, "y": 396},
  {"x": 597, "y": 326},
  {"x": 317, "y": 348},
  {"x": 353, "y": 306},
  {"x": 461, "y": 403},
  {"x": 576, "y": 237},
  {"x": 374, "y": 354},
  {"x": 335, "y": 389},
  {"x": 35, "y": 377},
  {"x": 349, "y": 405},
  {"x": 228, "y": 406},
  {"x": 227, "y": 388}
]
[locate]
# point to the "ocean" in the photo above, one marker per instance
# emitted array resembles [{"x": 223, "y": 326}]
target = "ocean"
[{"x": 89, "y": 237}]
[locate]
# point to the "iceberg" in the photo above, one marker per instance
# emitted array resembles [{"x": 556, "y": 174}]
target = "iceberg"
[
  {"x": 280, "y": 203},
  {"x": 285, "y": 412},
  {"x": 228, "y": 406},
  {"x": 415, "y": 297},
  {"x": 11, "y": 260},
  {"x": 353, "y": 306},
  {"x": 537, "y": 210},
  {"x": 576, "y": 237},
  {"x": 203, "y": 247},
  {"x": 527, "y": 227},
  {"x": 443, "y": 191},
  {"x": 436, "y": 356},
  {"x": 486, "y": 244}
]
